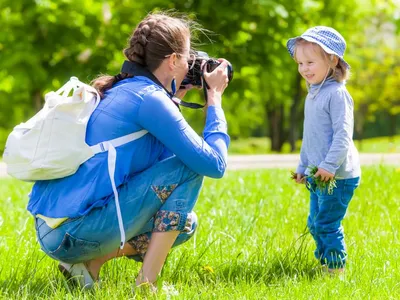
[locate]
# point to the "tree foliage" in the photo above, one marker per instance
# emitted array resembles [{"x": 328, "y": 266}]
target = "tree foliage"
[{"x": 44, "y": 42}]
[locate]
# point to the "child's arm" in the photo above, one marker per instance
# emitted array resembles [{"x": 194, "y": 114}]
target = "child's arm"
[
  {"x": 299, "y": 176},
  {"x": 303, "y": 163},
  {"x": 341, "y": 113}
]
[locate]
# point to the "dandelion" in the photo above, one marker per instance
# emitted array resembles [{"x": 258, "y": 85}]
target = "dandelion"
[{"x": 208, "y": 269}]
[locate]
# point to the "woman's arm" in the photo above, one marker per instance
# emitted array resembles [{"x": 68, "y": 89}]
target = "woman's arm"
[{"x": 208, "y": 156}]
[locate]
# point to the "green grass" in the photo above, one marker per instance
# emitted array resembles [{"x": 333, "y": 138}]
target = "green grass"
[
  {"x": 262, "y": 145},
  {"x": 251, "y": 244}
]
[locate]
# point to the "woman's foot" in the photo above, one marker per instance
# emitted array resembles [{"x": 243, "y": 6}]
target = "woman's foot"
[
  {"x": 79, "y": 273},
  {"x": 145, "y": 289}
]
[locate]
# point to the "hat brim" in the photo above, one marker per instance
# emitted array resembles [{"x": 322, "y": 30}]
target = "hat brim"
[{"x": 291, "y": 45}]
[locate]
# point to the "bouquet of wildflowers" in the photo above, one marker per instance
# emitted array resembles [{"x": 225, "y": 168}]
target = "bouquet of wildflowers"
[{"x": 321, "y": 185}]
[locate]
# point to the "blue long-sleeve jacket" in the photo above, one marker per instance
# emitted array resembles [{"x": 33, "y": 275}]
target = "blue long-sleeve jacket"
[
  {"x": 131, "y": 105},
  {"x": 328, "y": 131}
]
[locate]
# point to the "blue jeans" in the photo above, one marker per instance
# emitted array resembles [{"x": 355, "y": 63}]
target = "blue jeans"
[
  {"x": 159, "y": 199},
  {"x": 325, "y": 218}
]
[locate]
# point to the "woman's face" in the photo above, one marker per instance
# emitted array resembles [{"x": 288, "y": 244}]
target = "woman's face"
[{"x": 182, "y": 64}]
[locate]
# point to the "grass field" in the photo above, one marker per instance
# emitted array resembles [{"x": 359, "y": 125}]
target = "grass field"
[
  {"x": 251, "y": 244},
  {"x": 262, "y": 145}
]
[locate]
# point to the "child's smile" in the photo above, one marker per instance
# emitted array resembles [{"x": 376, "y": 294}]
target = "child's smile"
[{"x": 312, "y": 66}]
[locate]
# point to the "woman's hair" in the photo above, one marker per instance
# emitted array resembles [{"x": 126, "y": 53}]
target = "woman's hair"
[
  {"x": 339, "y": 72},
  {"x": 155, "y": 37}
]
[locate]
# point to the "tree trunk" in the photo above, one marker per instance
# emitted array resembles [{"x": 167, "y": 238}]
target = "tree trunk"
[
  {"x": 393, "y": 121},
  {"x": 37, "y": 100},
  {"x": 294, "y": 112},
  {"x": 276, "y": 129},
  {"x": 359, "y": 124}
]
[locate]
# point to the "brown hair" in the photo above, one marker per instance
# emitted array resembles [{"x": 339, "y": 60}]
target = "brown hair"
[
  {"x": 155, "y": 37},
  {"x": 339, "y": 72}
]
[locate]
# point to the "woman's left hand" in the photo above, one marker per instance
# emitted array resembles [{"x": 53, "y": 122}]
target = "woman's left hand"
[
  {"x": 324, "y": 174},
  {"x": 182, "y": 91}
]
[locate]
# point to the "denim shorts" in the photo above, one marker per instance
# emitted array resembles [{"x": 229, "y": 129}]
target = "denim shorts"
[{"x": 158, "y": 199}]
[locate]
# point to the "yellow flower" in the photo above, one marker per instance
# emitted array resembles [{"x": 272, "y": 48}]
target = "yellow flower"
[{"x": 208, "y": 269}]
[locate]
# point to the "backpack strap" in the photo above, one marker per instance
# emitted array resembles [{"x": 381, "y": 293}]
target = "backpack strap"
[
  {"x": 111, "y": 161},
  {"x": 104, "y": 146}
]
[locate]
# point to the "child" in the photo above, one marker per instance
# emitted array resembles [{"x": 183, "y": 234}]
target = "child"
[{"x": 327, "y": 139}]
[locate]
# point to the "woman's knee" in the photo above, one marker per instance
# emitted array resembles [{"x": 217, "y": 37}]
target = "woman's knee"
[
  {"x": 167, "y": 220},
  {"x": 189, "y": 231},
  {"x": 141, "y": 242},
  {"x": 179, "y": 194},
  {"x": 175, "y": 168},
  {"x": 167, "y": 176}
]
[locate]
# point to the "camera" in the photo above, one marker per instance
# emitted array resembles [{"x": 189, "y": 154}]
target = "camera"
[{"x": 195, "y": 74}]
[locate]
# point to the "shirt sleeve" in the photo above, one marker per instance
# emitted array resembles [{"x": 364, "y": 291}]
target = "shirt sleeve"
[
  {"x": 303, "y": 164},
  {"x": 208, "y": 156},
  {"x": 341, "y": 113}
]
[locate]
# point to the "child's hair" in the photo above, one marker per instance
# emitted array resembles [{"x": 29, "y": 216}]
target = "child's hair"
[{"x": 340, "y": 72}]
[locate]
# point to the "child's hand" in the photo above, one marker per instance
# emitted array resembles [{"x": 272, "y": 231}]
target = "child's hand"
[
  {"x": 324, "y": 175},
  {"x": 299, "y": 178}
]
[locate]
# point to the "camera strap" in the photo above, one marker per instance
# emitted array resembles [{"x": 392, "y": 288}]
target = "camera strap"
[{"x": 135, "y": 69}]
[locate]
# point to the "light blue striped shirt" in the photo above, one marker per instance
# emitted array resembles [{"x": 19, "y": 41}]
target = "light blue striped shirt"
[{"x": 328, "y": 131}]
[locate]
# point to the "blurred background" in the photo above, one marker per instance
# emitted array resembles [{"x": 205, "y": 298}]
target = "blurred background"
[{"x": 43, "y": 43}]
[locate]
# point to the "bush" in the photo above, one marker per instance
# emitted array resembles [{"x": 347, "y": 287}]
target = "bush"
[{"x": 3, "y": 138}]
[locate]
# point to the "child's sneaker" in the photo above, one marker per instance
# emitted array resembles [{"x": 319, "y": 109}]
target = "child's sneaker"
[{"x": 333, "y": 271}]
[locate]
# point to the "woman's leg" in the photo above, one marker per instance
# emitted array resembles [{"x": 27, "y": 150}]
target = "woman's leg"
[
  {"x": 140, "y": 243},
  {"x": 136, "y": 248},
  {"x": 174, "y": 216},
  {"x": 96, "y": 235},
  {"x": 94, "y": 265},
  {"x": 159, "y": 246}
]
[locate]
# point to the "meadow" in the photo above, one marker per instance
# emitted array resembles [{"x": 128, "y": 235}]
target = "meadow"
[
  {"x": 251, "y": 243},
  {"x": 262, "y": 145}
]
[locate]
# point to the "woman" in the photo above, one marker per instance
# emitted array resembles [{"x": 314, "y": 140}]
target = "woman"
[{"x": 158, "y": 176}]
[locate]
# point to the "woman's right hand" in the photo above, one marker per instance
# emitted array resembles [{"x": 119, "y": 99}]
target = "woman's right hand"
[{"x": 217, "y": 81}]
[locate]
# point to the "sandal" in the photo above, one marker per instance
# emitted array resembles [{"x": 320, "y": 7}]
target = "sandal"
[{"x": 79, "y": 273}]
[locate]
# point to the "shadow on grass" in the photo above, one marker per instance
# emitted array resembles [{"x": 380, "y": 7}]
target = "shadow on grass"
[{"x": 264, "y": 265}]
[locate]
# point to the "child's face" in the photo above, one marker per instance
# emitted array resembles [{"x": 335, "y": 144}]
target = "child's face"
[{"x": 311, "y": 64}]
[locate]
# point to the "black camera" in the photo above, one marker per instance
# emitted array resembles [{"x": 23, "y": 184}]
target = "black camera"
[{"x": 195, "y": 74}]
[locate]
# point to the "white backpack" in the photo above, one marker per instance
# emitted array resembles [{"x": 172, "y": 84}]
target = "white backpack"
[{"x": 52, "y": 144}]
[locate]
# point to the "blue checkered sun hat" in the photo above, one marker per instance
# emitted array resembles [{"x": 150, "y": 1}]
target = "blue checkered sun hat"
[{"x": 328, "y": 38}]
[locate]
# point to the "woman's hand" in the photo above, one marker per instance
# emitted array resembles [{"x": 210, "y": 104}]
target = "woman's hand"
[
  {"x": 324, "y": 174},
  {"x": 217, "y": 82},
  {"x": 182, "y": 91}
]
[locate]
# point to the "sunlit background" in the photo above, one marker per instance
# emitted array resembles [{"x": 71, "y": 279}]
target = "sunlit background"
[{"x": 43, "y": 43}]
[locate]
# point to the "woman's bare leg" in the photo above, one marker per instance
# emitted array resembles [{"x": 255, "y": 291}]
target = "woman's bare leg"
[
  {"x": 95, "y": 265},
  {"x": 160, "y": 245}
]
